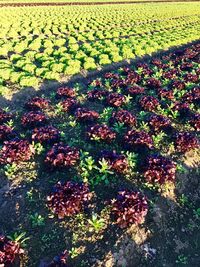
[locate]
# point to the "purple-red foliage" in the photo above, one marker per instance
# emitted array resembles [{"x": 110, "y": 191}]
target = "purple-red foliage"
[
  {"x": 61, "y": 155},
  {"x": 164, "y": 93},
  {"x": 142, "y": 65},
  {"x": 68, "y": 198},
  {"x": 33, "y": 119},
  {"x": 195, "y": 121},
  {"x": 101, "y": 132},
  {"x": 123, "y": 116},
  {"x": 9, "y": 251},
  {"x": 193, "y": 96},
  {"x": 16, "y": 151},
  {"x": 126, "y": 70},
  {"x": 159, "y": 170},
  {"x": 149, "y": 103},
  {"x": 157, "y": 62},
  {"x": 46, "y": 134},
  {"x": 97, "y": 94},
  {"x": 135, "y": 90},
  {"x": 65, "y": 92},
  {"x": 6, "y": 133},
  {"x": 129, "y": 208},
  {"x": 86, "y": 115},
  {"x": 186, "y": 66},
  {"x": 37, "y": 103},
  {"x": 117, "y": 162},
  {"x": 159, "y": 122},
  {"x": 69, "y": 104},
  {"x": 138, "y": 139},
  {"x": 170, "y": 74},
  {"x": 110, "y": 75},
  {"x": 186, "y": 141},
  {"x": 153, "y": 83},
  {"x": 132, "y": 78},
  {"x": 191, "y": 78},
  {"x": 115, "y": 99},
  {"x": 147, "y": 72},
  {"x": 118, "y": 83},
  {"x": 5, "y": 116},
  {"x": 182, "y": 107}
]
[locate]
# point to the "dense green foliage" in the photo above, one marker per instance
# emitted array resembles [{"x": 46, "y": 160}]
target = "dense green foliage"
[
  {"x": 75, "y": 1},
  {"x": 51, "y": 42}
]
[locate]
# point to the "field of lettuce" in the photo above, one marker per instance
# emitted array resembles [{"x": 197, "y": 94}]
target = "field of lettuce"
[
  {"x": 90, "y": 1},
  {"x": 99, "y": 135},
  {"x": 53, "y": 43}
]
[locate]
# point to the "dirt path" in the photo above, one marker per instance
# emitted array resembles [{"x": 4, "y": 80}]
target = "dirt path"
[{"x": 19, "y": 4}]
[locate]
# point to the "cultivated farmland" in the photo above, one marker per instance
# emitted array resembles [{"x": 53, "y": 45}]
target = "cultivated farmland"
[
  {"x": 99, "y": 135},
  {"x": 53, "y": 43}
]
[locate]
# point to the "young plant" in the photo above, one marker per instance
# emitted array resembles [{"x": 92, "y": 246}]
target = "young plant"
[
  {"x": 135, "y": 90},
  {"x": 58, "y": 109},
  {"x": 158, "y": 138},
  {"x": 38, "y": 148},
  {"x": 182, "y": 260},
  {"x": 96, "y": 223},
  {"x": 119, "y": 127},
  {"x": 19, "y": 237},
  {"x": 73, "y": 252},
  {"x": 37, "y": 220},
  {"x": 104, "y": 168},
  {"x": 10, "y": 170},
  {"x": 87, "y": 165},
  {"x": 106, "y": 114}
]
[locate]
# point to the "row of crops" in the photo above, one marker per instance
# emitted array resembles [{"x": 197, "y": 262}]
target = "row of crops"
[
  {"x": 79, "y": 1},
  {"x": 101, "y": 157},
  {"x": 50, "y": 43}
]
